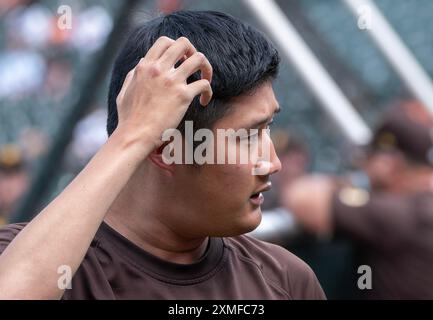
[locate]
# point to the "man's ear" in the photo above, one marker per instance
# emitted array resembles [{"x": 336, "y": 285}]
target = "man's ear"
[{"x": 156, "y": 157}]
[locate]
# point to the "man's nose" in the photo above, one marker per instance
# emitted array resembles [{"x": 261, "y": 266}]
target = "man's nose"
[
  {"x": 275, "y": 161},
  {"x": 268, "y": 165}
]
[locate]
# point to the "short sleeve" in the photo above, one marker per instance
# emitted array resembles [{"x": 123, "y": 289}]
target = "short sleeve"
[
  {"x": 303, "y": 282},
  {"x": 8, "y": 233}
]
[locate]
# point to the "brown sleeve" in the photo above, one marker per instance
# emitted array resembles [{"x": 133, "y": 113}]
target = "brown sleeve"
[
  {"x": 308, "y": 287},
  {"x": 303, "y": 283},
  {"x": 8, "y": 233},
  {"x": 384, "y": 221}
]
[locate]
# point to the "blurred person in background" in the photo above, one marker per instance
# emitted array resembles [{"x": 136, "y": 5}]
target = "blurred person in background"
[{"x": 392, "y": 221}]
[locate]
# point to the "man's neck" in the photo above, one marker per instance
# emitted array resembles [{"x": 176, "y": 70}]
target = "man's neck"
[
  {"x": 156, "y": 239},
  {"x": 140, "y": 214}
]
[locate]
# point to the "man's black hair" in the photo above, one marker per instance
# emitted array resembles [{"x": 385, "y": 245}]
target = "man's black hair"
[{"x": 241, "y": 57}]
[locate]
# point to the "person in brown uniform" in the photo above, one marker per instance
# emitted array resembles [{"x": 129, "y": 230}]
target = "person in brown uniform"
[
  {"x": 131, "y": 225},
  {"x": 392, "y": 223}
]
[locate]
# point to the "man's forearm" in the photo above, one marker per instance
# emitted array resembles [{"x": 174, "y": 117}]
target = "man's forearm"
[{"x": 61, "y": 234}]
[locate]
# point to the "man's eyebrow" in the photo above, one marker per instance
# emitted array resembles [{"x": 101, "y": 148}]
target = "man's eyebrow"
[{"x": 259, "y": 123}]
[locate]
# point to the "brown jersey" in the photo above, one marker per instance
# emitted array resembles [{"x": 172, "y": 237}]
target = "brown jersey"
[{"x": 232, "y": 268}]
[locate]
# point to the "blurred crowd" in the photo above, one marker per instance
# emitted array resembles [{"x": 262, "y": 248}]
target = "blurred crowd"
[
  {"x": 41, "y": 43},
  {"x": 38, "y": 44}
]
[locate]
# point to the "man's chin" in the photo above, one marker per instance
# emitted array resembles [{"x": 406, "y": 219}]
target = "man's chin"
[{"x": 245, "y": 225}]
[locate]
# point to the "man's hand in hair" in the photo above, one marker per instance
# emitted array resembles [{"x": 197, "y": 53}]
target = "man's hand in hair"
[{"x": 155, "y": 95}]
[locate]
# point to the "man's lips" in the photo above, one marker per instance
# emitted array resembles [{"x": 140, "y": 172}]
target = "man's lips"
[
  {"x": 266, "y": 187},
  {"x": 257, "y": 197}
]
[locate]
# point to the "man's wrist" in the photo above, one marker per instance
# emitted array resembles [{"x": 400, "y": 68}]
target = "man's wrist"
[{"x": 140, "y": 143}]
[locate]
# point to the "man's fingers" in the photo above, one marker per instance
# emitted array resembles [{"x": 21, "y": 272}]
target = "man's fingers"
[
  {"x": 159, "y": 47},
  {"x": 182, "y": 47},
  {"x": 197, "y": 61},
  {"x": 202, "y": 87}
]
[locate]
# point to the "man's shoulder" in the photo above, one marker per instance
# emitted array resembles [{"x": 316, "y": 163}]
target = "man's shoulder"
[
  {"x": 263, "y": 252},
  {"x": 8, "y": 233},
  {"x": 278, "y": 265},
  {"x": 266, "y": 254}
]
